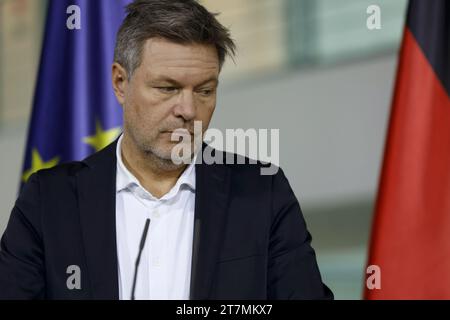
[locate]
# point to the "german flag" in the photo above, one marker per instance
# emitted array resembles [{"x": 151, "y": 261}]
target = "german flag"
[{"x": 410, "y": 240}]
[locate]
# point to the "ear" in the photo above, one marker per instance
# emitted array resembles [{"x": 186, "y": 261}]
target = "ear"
[{"x": 119, "y": 82}]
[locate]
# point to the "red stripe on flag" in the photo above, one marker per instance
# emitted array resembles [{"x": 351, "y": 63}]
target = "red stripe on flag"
[{"x": 411, "y": 231}]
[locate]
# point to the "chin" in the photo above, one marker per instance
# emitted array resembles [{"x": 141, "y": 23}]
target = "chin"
[
  {"x": 163, "y": 153},
  {"x": 163, "y": 149}
]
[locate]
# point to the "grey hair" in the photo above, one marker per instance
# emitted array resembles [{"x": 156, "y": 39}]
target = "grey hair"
[{"x": 180, "y": 21}]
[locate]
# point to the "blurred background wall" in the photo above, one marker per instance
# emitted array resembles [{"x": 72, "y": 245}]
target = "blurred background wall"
[{"x": 310, "y": 68}]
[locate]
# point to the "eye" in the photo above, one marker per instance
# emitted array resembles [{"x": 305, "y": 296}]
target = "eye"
[
  {"x": 206, "y": 92},
  {"x": 167, "y": 89}
]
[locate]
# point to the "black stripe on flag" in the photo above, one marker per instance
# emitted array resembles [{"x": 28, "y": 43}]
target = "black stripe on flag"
[{"x": 429, "y": 21}]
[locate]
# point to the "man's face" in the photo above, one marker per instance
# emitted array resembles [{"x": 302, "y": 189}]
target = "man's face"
[{"x": 174, "y": 86}]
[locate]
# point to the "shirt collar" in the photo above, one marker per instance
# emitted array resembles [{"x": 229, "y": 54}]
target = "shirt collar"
[{"x": 125, "y": 179}]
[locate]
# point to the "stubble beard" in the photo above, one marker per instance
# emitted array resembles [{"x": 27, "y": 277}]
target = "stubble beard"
[
  {"x": 161, "y": 156},
  {"x": 161, "y": 159}
]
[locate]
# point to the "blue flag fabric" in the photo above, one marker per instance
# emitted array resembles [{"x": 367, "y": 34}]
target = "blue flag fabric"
[{"x": 75, "y": 112}]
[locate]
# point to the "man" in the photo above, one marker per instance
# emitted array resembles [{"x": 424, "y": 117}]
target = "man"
[{"x": 219, "y": 231}]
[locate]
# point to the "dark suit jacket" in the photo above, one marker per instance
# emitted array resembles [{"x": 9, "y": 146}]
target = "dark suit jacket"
[{"x": 250, "y": 238}]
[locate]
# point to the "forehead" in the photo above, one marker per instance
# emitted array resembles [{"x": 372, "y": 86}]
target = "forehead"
[{"x": 183, "y": 62}]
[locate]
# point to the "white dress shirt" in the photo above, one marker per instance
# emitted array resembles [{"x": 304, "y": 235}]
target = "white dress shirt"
[{"x": 165, "y": 268}]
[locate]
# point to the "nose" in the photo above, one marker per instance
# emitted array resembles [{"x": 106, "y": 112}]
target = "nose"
[{"x": 185, "y": 106}]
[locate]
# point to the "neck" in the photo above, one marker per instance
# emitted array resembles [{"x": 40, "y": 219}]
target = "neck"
[{"x": 156, "y": 175}]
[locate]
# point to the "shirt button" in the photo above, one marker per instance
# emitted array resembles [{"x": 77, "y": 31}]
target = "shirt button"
[{"x": 156, "y": 214}]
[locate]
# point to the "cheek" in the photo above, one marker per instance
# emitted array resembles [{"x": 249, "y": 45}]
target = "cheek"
[
  {"x": 205, "y": 112},
  {"x": 141, "y": 100},
  {"x": 146, "y": 107}
]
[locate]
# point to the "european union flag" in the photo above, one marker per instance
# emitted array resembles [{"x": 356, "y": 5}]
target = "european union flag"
[{"x": 75, "y": 112}]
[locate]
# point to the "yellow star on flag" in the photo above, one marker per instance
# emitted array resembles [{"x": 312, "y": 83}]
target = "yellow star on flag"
[
  {"x": 102, "y": 138},
  {"x": 37, "y": 164}
]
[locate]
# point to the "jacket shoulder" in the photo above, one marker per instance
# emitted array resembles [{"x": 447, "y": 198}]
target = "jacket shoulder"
[
  {"x": 242, "y": 164},
  {"x": 73, "y": 168},
  {"x": 67, "y": 169}
]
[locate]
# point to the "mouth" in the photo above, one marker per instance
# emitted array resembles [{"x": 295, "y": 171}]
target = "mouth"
[
  {"x": 179, "y": 131},
  {"x": 180, "y": 135}
]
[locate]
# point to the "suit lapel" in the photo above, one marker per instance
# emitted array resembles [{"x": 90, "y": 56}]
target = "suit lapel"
[
  {"x": 97, "y": 204},
  {"x": 211, "y": 199}
]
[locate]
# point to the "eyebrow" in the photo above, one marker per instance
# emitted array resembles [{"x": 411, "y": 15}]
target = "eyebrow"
[{"x": 178, "y": 84}]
